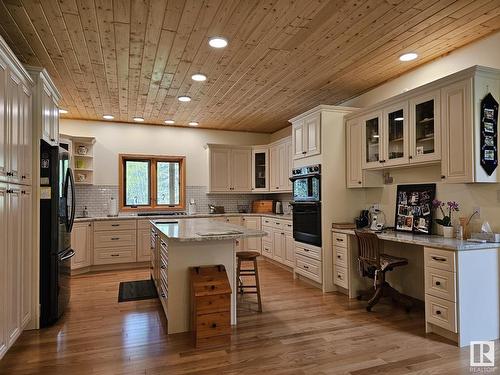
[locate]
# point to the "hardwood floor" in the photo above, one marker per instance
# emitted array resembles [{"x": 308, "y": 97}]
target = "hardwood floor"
[{"x": 301, "y": 331}]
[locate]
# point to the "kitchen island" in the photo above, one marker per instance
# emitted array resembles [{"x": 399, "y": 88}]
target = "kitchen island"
[{"x": 177, "y": 245}]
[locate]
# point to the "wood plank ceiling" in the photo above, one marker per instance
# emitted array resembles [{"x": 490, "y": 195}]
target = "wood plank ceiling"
[{"x": 135, "y": 57}]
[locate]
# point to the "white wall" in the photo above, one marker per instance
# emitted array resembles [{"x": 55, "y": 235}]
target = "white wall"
[
  {"x": 115, "y": 138},
  {"x": 483, "y": 52}
]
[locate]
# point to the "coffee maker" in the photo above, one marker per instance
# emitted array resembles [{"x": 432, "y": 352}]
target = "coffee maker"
[{"x": 363, "y": 220}]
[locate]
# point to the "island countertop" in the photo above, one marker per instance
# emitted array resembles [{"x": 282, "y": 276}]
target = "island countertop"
[{"x": 202, "y": 229}]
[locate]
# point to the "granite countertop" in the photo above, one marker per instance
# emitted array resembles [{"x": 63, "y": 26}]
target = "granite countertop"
[
  {"x": 203, "y": 229},
  {"x": 435, "y": 241},
  {"x": 162, "y": 217}
]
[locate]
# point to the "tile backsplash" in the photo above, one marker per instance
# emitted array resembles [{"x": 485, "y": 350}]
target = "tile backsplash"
[{"x": 97, "y": 199}]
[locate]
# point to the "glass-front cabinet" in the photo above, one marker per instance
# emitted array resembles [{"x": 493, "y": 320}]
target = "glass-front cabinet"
[
  {"x": 372, "y": 133},
  {"x": 395, "y": 131},
  {"x": 425, "y": 137},
  {"x": 260, "y": 169}
]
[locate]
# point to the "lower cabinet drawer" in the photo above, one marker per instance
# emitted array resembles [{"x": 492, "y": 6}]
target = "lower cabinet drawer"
[
  {"x": 118, "y": 255},
  {"x": 114, "y": 239},
  {"x": 267, "y": 249},
  {"x": 441, "y": 312},
  {"x": 439, "y": 283},
  {"x": 308, "y": 251},
  {"x": 340, "y": 256},
  {"x": 213, "y": 304},
  {"x": 210, "y": 325},
  {"x": 339, "y": 239},
  {"x": 340, "y": 277},
  {"x": 308, "y": 267},
  {"x": 107, "y": 225}
]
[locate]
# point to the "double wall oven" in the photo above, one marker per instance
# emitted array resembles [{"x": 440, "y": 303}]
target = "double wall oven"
[{"x": 307, "y": 204}]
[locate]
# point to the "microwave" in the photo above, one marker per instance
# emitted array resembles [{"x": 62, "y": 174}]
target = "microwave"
[{"x": 306, "y": 182}]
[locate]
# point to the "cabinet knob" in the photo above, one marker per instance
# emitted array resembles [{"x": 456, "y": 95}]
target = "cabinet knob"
[
  {"x": 359, "y": 182},
  {"x": 10, "y": 174},
  {"x": 438, "y": 283},
  {"x": 304, "y": 152},
  {"x": 52, "y": 139},
  {"x": 438, "y": 312},
  {"x": 23, "y": 177},
  {"x": 410, "y": 157},
  {"x": 90, "y": 225},
  {"x": 443, "y": 177}
]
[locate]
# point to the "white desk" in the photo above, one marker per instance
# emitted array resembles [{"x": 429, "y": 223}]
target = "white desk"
[{"x": 462, "y": 284}]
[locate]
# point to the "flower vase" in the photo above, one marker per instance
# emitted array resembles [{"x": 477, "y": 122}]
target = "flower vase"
[{"x": 448, "y": 232}]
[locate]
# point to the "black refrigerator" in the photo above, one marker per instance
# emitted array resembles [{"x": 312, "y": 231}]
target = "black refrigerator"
[{"x": 57, "y": 214}]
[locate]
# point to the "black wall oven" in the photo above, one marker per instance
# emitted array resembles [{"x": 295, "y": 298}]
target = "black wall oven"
[{"x": 307, "y": 204}]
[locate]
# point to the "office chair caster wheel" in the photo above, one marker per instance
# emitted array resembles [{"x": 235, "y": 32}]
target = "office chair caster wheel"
[{"x": 368, "y": 308}]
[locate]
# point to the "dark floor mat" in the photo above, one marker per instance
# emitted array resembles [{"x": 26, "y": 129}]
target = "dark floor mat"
[{"x": 136, "y": 290}]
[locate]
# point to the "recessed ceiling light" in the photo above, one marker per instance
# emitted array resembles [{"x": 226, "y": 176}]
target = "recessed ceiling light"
[
  {"x": 199, "y": 77},
  {"x": 217, "y": 42},
  {"x": 399, "y": 119},
  {"x": 108, "y": 117},
  {"x": 193, "y": 123},
  {"x": 139, "y": 119},
  {"x": 184, "y": 98},
  {"x": 169, "y": 122},
  {"x": 408, "y": 56},
  {"x": 62, "y": 111}
]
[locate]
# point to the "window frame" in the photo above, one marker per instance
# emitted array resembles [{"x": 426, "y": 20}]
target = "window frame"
[{"x": 153, "y": 198}]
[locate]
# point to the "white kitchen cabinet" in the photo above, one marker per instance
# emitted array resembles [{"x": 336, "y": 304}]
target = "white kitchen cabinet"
[
  {"x": 82, "y": 244},
  {"x": 13, "y": 261},
  {"x": 457, "y": 130},
  {"x": 354, "y": 153},
  {"x": 143, "y": 245},
  {"x": 253, "y": 243},
  {"x": 26, "y": 149},
  {"x": 260, "y": 169},
  {"x": 230, "y": 169},
  {"x": 45, "y": 105},
  {"x": 289, "y": 249},
  {"x": 27, "y": 254},
  {"x": 4, "y": 134},
  {"x": 3, "y": 269},
  {"x": 280, "y": 166},
  {"x": 279, "y": 244},
  {"x": 395, "y": 135},
  {"x": 306, "y": 134},
  {"x": 425, "y": 127}
]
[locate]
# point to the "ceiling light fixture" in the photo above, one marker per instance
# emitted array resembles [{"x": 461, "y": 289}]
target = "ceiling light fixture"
[
  {"x": 199, "y": 77},
  {"x": 184, "y": 98},
  {"x": 408, "y": 56},
  {"x": 139, "y": 119},
  {"x": 62, "y": 111},
  {"x": 108, "y": 117},
  {"x": 169, "y": 122},
  {"x": 217, "y": 42},
  {"x": 193, "y": 123}
]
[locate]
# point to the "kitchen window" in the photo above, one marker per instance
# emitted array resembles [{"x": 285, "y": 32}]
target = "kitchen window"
[{"x": 150, "y": 183}]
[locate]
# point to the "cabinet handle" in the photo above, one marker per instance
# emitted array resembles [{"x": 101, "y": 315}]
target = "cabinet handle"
[
  {"x": 10, "y": 174},
  {"x": 115, "y": 225},
  {"x": 443, "y": 177},
  {"x": 338, "y": 256},
  {"x": 23, "y": 177},
  {"x": 9, "y": 191},
  {"x": 410, "y": 157},
  {"x": 115, "y": 238},
  {"x": 438, "y": 283},
  {"x": 115, "y": 255},
  {"x": 359, "y": 182},
  {"x": 339, "y": 276},
  {"x": 306, "y": 267},
  {"x": 439, "y": 259},
  {"x": 282, "y": 232},
  {"x": 306, "y": 250},
  {"x": 340, "y": 240},
  {"x": 304, "y": 152},
  {"x": 52, "y": 139},
  {"x": 438, "y": 312},
  {"x": 214, "y": 325},
  {"x": 90, "y": 225}
]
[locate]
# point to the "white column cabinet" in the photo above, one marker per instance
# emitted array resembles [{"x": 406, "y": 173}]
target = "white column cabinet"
[
  {"x": 354, "y": 153},
  {"x": 241, "y": 170},
  {"x": 280, "y": 165},
  {"x": 4, "y": 134},
  {"x": 82, "y": 244},
  {"x": 27, "y": 254},
  {"x": 3, "y": 269}
]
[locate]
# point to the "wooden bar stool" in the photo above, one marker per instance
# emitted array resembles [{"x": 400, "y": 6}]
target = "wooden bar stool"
[{"x": 248, "y": 256}]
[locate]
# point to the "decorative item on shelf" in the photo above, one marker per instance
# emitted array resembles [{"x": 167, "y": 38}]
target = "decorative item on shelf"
[
  {"x": 79, "y": 163},
  {"x": 414, "y": 208},
  {"x": 80, "y": 177},
  {"x": 446, "y": 221},
  {"x": 82, "y": 150},
  {"x": 489, "y": 134}
]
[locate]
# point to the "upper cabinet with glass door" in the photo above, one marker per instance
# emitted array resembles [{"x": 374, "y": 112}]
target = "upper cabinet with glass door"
[
  {"x": 395, "y": 130},
  {"x": 425, "y": 135},
  {"x": 372, "y": 133},
  {"x": 260, "y": 169}
]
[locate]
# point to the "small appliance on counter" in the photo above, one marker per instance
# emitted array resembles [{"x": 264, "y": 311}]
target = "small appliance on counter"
[
  {"x": 216, "y": 209},
  {"x": 278, "y": 208},
  {"x": 192, "y": 207},
  {"x": 363, "y": 220}
]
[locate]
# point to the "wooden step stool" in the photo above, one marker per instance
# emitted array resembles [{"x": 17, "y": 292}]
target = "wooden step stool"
[{"x": 210, "y": 306}]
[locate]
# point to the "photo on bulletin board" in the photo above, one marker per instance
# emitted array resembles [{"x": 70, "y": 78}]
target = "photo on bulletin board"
[{"x": 414, "y": 208}]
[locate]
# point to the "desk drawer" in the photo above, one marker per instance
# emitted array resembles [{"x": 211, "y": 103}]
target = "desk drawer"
[
  {"x": 340, "y": 277},
  {"x": 339, "y": 239},
  {"x": 308, "y": 267},
  {"x": 114, "y": 239},
  {"x": 340, "y": 256},
  {"x": 308, "y": 251},
  {"x": 441, "y": 313},
  {"x": 112, "y": 256},
  {"x": 439, "y": 283},
  {"x": 441, "y": 259},
  {"x": 115, "y": 225}
]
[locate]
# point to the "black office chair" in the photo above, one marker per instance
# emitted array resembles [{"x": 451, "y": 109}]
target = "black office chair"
[{"x": 374, "y": 264}]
